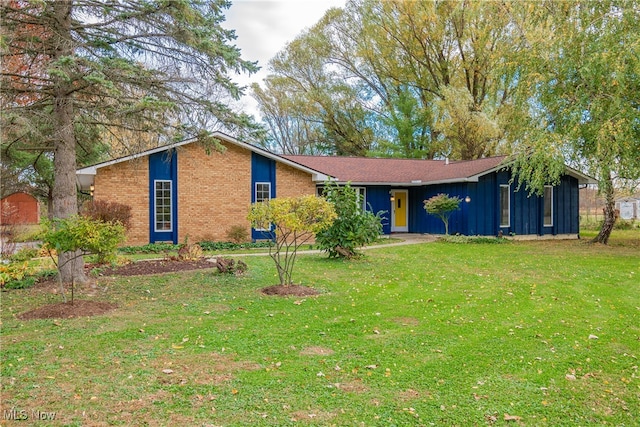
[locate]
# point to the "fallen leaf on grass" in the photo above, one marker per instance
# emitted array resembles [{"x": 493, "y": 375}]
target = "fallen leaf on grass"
[
  {"x": 491, "y": 418},
  {"x": 508, "y": 417}
]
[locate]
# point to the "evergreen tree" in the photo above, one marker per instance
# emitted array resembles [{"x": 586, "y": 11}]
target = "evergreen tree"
[{"x": 73, "y": 70}]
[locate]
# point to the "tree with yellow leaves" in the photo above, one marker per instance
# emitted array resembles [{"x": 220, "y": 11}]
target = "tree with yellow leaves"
[{"x": 290, "y": 222}]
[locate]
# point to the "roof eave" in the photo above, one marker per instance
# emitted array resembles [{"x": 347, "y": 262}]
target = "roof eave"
[
  {"x": 582, "y": 178},
  {"x": 407, "y": 184},
  {"x": 92, "y": 170}
]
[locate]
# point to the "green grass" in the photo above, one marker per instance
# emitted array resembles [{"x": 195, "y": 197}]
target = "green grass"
[{"x": 425, "y": 334}]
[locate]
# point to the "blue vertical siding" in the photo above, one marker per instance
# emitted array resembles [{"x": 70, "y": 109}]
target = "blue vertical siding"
[
  {"x": 526, "y": 212},
  {"x": 263, "y": 169},
  {"x": 566, "y": 215},
  {"x": 484, "y": 211},
  {"x": 481, "y": 215},
  {"x": 379, "y": 199},
  {"x": 163, "y": 166},
  {"x": 421, "y": 222}
]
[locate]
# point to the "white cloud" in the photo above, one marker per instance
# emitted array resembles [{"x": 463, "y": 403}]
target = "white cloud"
[{"x": 264, "y": 27}]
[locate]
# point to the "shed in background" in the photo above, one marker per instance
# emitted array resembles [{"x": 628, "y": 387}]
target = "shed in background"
[
  {"x": 19, "y": 208},
  {"x": 629, "y": 208}
]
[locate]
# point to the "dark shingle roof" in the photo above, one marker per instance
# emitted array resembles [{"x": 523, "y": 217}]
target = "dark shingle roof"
[{"x": 397, "y": 171}]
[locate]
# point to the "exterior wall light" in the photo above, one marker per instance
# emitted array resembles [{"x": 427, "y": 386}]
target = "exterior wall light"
[{"x": 467, "y": 199}]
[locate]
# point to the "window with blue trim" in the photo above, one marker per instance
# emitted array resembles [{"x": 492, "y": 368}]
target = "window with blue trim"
[{"x": 163, "y": 216}]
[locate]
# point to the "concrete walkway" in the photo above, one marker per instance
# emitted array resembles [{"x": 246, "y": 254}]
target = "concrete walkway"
[{"x": 407, "y": 239}]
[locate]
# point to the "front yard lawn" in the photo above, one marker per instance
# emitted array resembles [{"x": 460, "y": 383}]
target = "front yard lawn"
[{"x": 532, "y": 333}]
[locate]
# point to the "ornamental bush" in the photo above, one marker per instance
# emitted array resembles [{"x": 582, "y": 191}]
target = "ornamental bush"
[
  {"x": 289, "y": 222},
  {"x": 352, "y": 228},
  {"x": 78, "y": 233},
  {"x": 442, "y": 206},
  {"x": 105, "y": 211}
]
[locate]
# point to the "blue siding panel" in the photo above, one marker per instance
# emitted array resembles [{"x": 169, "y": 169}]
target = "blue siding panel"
[
  {"x": 481, "y": 215},
  {"x": 526, "y": 213},
  {"x": 163, "y": 166},
  {"x": 263, "y": 169},
  {"x": 379, "y": 199},
  {"x": 566, "y": 207},
  {"x": 483, "y": 208}
]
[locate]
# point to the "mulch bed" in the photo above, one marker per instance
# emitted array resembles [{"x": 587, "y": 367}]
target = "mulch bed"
[
  {"x": 66, "y": 310},
  {"x": 143, "y": 268}
]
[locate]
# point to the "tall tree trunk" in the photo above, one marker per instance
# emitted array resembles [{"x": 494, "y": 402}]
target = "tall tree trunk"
[
  {"x": 610, "y": 214},
  {"x": 65, "y": 199}
]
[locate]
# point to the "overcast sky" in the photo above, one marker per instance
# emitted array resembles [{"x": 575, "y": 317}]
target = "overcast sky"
[{"x": 264, "y": 27}]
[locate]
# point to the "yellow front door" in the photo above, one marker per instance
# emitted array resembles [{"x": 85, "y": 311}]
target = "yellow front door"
[{"x": 400, "y": 211}]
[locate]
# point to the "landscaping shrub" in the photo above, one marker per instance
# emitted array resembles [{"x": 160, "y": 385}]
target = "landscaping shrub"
[
  {"x": 352, "y": 228},
  {"x": 238, "y": 234},
  {"x": 102, "y": 210},
  {"x": 622, "y": 224},
  {"x": 21, "y": 275},
  {"x": 25, "y": 254},
  {"x": 189, "y": 251},
  {"x": 472, "y": 239},
  {"x": 85, "y": 234},
  {"x": 231, "y": 246},
  {"x": 150, "y": 248},
  {"x": 442, "y": 206},
  {"x": 13, "y": 273},
  {"x": 290, "y": 222}
]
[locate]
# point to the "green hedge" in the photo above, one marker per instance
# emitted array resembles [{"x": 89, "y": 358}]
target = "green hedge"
[{"x": 158, "y": 248}]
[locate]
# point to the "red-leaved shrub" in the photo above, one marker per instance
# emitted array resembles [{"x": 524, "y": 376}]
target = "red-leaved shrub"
[{"x": 106, "y": 211}]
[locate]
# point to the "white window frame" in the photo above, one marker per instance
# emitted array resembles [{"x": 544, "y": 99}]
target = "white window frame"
[
  {"x": 257, "y": 200},
  {"x": 155, "y": 205},
  {"x": 255, "y": 190},
  {"x": 508, "y": 224},
  {"x": 545, "y": 198}
]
